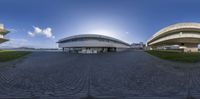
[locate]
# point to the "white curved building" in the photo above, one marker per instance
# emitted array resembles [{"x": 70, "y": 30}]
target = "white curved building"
[
  {"x": 91, "y": 43},
  {"x": 186, "y": 35},
  {"x": 3, "y": 32}
]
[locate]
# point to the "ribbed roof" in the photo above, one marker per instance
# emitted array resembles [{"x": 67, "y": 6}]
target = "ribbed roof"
[
  {"x": 189, "y": 26},
  {"x": 91, "y": 36}
]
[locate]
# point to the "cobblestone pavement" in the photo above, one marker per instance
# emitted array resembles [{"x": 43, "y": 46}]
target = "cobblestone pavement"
[{"x": 122, "y": 75}]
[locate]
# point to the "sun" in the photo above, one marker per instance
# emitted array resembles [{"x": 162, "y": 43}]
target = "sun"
[{"x": 104, "y": 32}]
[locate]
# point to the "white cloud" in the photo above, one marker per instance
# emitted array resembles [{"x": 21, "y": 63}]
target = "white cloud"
[
  {"x": 47, "y": 32},
  {"x": 31, "y": 34},
  {"x": 37, "y": 30}
]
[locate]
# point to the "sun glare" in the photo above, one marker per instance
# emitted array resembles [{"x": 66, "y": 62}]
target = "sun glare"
[{"x": 104, "y": 32}]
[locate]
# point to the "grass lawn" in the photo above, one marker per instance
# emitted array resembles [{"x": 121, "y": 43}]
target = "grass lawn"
[
  {"x": 176, "y": 56},
  {"x": 6, "y": 55}
]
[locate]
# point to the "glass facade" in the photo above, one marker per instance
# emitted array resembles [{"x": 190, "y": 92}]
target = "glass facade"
[{"x": 90, "y": 49}]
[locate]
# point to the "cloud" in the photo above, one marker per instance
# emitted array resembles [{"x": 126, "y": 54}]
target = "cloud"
[
  {"x": 47, "y": 32},
  {"x": 37, "y": 30},
  {"x": 31, "y": 34}
]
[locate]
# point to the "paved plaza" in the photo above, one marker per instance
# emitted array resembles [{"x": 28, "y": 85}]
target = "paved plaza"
[{"x": 122, "y": 75}]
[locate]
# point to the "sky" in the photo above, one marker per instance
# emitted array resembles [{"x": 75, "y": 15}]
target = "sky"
[{"x": 41, "y": 23}]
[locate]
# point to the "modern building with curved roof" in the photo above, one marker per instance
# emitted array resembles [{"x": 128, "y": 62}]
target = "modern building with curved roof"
[
  {"x": 186, "y": 35},
  {"x": 3, "y": 32},
  {"x": 91, "y": 43}
]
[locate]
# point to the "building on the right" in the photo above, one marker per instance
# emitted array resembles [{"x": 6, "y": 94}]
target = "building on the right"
[
  {"x": 3, "y": 32},
  {"x": 184, "y": 35}
]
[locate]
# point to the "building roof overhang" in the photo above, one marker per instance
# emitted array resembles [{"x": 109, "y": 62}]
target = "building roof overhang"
[
  {"x": 4, "y": 32},
  {"x": 3, "y": 40},
  {"x": 91, "y": 36}
]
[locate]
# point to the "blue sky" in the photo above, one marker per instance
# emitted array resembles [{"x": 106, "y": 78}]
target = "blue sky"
[{"x": 40, "y": 23}]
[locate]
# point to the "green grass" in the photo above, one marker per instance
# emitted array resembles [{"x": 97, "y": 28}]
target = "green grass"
[
  {"x": 176, "y": 56},
  {"x": 7, "y": 55}
]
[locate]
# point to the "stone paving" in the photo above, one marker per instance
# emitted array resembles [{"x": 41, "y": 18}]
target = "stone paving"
[{"x": 122, "y": 75}]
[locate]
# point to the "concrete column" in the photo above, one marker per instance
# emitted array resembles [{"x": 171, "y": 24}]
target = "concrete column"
[
  {"x": 63, "y": 49},
  {"x": 153, "y": 48},
  {"x": 190, "y": 47}
]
